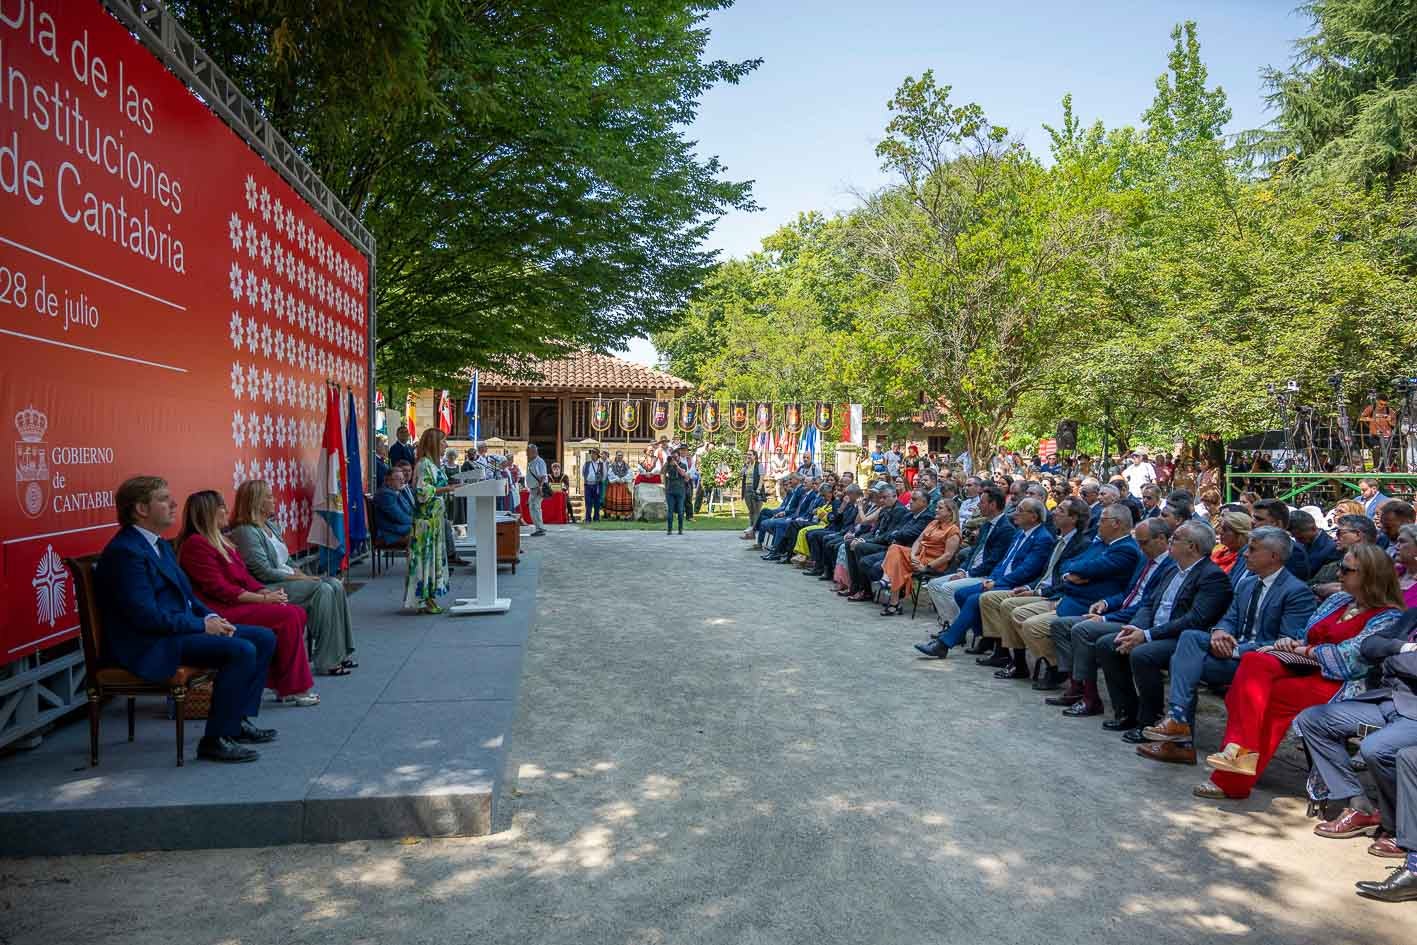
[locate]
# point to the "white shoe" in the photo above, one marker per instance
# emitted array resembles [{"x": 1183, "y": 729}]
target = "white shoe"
[{"x": 303, "y": 699}]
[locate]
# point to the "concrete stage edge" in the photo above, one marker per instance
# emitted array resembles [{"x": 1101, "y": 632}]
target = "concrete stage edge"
[{"x": 413, "y": 743}]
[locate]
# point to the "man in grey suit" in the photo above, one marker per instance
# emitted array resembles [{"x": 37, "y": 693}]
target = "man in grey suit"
[
  {"x": 1401, "y": 884},
  {"x": 1269, "y": 603}
]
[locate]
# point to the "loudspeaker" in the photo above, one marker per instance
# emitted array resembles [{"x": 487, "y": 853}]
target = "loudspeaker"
[{"x": 1067, "y": 436}]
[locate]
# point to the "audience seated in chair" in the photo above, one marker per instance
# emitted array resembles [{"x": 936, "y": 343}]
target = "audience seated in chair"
[
  {"x": 1269, "y": 603},
  {"x": 155, "y": 623}
]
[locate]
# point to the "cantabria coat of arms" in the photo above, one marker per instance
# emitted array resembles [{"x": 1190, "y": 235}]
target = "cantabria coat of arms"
[{"x": 31, "y": 467}]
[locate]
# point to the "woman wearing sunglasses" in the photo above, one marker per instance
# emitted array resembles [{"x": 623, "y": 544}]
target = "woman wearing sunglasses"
[{"x": 1275, "y": 683}]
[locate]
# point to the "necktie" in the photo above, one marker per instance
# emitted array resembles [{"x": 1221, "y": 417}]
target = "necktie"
[
  {"x": 1009, "y": 558},
  {"x": 1141, "y": 582},
  {"x": 1253, "y": 610}
]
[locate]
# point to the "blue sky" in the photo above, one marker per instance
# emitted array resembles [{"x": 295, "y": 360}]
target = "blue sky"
[{"x": 804, "y": 126}]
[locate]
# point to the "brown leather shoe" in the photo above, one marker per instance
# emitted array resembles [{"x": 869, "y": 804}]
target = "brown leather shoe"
[
  {"x": 1387, "y": 847},
  {"x": 1168, "y": 731},
  {"x": 1350, "y": 823},
  {"x": 1171, "y": 752}
]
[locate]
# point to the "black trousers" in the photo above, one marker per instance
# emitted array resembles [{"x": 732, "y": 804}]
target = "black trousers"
[
  {"x": 816, "y": 546},
  {"x": 856, "y": 565}
]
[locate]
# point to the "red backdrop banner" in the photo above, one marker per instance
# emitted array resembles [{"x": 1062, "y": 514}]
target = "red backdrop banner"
[{"x": 168, "y": 304}]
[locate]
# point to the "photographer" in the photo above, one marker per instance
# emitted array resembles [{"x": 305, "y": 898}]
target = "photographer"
[{"x": 676, "y": 488}]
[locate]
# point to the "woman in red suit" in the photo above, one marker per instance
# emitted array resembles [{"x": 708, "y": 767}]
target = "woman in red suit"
[
  {"x": 222, "y": 582},
  {"x": 1268, "y": 692}
]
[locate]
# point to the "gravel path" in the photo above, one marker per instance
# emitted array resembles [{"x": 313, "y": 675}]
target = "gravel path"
[{"x": 716, "y": 750}]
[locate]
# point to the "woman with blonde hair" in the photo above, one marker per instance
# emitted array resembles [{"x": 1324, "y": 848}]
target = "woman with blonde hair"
[
  {"x": 1232, "y": 534},
  {"x": 328, "y": 625},
  {"x": 932, "y": 552},
  {"x": 220, "y": 579},
  {"x": 1276, "y": 683},
  {"x": 427, "y": 577}
]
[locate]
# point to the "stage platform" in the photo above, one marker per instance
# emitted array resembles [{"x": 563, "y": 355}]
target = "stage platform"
[{"x": 413, "y": 743}]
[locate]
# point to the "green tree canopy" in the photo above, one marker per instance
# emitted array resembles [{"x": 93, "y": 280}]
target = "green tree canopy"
[{"x": 521, "y": 163}]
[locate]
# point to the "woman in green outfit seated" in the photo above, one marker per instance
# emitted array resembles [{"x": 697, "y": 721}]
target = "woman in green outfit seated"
[{"x": 331, "y": 635}]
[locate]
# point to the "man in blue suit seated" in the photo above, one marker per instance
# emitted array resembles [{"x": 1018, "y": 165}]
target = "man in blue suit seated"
[
  {"x": 1318, "y": 546},
  {"x": 1269, "y": 603},
  {"x": 996, "y": 535},
  {"x": 792, "y": 489},
  {"x": 153, "y": 622},
  {"x": 777, "y": 529},
  {"x": 393, "y": 512},
  {"x": 1133, "y": 657},
  {"x": 1074, "y": 645},
  {"x": 1022, "y": 563}
]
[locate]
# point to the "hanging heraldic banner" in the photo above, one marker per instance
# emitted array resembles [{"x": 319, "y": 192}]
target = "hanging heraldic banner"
[
  {"x": 169, "y": 304},
  {"x": 629, "y": 416},
  {"x": 711, "y": 417},
  {"x": 763, "y": 416},
  {"x": 738, "y": 416},
  {"x": 688, "y": 415},
  {"x": 659, "y": 416},
  {"x": 600, "y": 416}
]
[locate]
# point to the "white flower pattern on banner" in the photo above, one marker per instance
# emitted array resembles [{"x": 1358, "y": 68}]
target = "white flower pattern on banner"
[
  {"x": 251, "y": 239},
  {"x": 267, "y": 434},
  {"x": 238, "y": 380},
  {"x": 236, "y": 282},
  {"x": 266, "y": 386},
  {"x": 265, "y": 250},
  {"x": 238, "y": 475},
  {"x": 233, "y": 231},
  {"x": 236, "y": 330},
  {"x": 250, "y": 192},
  {"x": 252, "y": 287},
  {"x": 238, "y": 429},
  {"x": 265, "y": 205},
  {"x": 266, "y": 340},
  {"x": 253, "y": 381}
]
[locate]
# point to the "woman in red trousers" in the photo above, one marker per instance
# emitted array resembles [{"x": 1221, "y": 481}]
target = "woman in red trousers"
[
  {"x": 222, "y": 582},
  {"x": 1268, "y": 691}
]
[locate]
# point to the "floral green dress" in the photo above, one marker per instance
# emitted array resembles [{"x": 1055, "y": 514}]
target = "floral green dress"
[{"x": 427, "y": 577}]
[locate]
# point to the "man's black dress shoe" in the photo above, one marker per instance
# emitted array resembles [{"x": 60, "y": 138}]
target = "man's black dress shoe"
[
  {"x": 1400, "y": 886},
  {"x": 934, "y": 649},
  {"x": 981, "y": 645},
  {"x": 1134, "y": 736},
  {"x": 771, "y": 556},
  {"x": 1012, "y": 672},
  {"x": 812, "y": 572},
  {"x": 1065, "y": 699},
  {"x": 1081, "y": 710},
  {"x": 251, "y": 735},
  {"x": 1119, "y": 725},
  {"x": 999, "y": 658},
  {"x": 224, "y": 749},
  {"x": 1050, "y": 680}
]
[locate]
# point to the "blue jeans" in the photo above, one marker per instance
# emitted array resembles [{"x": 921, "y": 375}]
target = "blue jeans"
[
  {"x": 1191, "y": 665},
  {"x": 674, "y": 502},
  {"x": 242, "y": 661},
  {"x": 968, "y": 619}
]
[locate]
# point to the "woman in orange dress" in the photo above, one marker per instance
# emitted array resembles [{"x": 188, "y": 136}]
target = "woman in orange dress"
[{"x": 932, "y": 551}]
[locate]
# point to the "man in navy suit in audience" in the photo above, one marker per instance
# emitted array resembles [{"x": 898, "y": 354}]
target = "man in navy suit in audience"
[
  {"x": 1317, "y": 545},
  {"x": 1269, "y": 603},
  {"x": 1021, "y": 564},
  {"x": 996, "y": 536},
  {"x": 154, "y": 623},
  {"x": 1074, "y": 644},
  {"x": 1133, "y": 657}
]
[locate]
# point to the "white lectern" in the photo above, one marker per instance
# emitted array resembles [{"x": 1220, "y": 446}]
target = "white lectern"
[{"x": 483, "y": 496}]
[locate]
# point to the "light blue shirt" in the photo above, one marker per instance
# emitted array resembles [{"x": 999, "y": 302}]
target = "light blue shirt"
[
  {"x": 151, "y": 537},
  {"x": 1168, "y": 598}
]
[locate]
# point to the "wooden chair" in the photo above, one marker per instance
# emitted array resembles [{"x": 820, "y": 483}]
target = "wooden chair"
[
  {"x": 379, "y": 548},
  {"x": 103, "y": 681}
]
